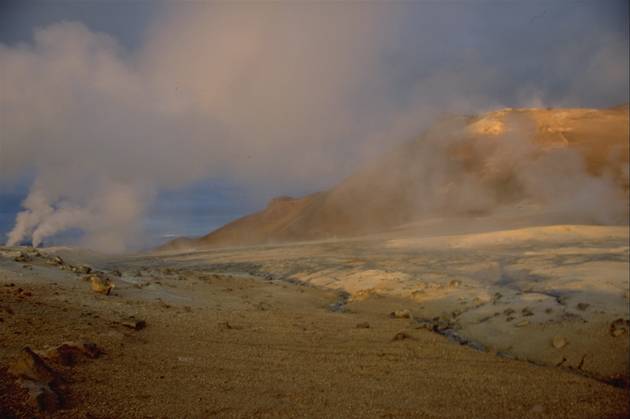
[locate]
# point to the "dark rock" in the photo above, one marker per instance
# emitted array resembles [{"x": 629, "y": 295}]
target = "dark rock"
[
  {"x": 527, "y": 312},
  {"x": 83, "y": 269},
  {"x": 22, "y": 257}
]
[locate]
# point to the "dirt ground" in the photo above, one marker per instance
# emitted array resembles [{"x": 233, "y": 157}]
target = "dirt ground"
[{"x": 240, "y": 345}]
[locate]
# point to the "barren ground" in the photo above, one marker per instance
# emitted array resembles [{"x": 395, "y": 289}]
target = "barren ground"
[{"x": 272, "y": 331}]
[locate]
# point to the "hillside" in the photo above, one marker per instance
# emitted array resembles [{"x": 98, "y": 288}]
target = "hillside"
[{"x": 556, "y": 158}]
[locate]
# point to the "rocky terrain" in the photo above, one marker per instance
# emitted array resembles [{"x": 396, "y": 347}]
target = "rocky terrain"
[
  {"x": 529, "y": 322},
  {"x": 479, "y": 271}
]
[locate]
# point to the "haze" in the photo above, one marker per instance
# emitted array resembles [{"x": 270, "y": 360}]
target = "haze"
[{"x": 109, "y": 111}]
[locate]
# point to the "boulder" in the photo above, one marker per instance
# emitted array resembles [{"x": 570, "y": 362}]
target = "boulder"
[{"x": 37, "y": 377}]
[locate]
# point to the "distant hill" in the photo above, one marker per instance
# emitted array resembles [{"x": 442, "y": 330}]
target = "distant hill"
[{"x": 461, "y": 165}]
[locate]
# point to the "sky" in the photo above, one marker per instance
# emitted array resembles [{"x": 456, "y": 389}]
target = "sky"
[{"x": 123, "y": 124}]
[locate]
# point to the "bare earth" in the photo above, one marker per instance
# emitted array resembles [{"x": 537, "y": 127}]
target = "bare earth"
[{"x": 304, "y": 330}]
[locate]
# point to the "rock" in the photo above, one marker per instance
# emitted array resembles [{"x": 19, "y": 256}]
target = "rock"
[
  {"x": 508, "y": 311},
  {"x": 116, "y": 272},
  {"x": 363, "y": 325},
  {"x": 135, "y": 324},
  {"x": 401, "y": 336},
  {"x": 91, "y": 350},
  {"x": 454, "y": 283},
  {"x": 101, "y": 285},
  {"x": 43, "y": 383},
  {"x": 619, "y": 327},
  {"x": 527, "y": 312},
  {"x": 263, "y": 306},
  {"x": 559, "y": 342},
  {"x": 521, "y": 323},
  {"x": 83, "y": 269},
  {"x": 400, "y": 314},
  {"x": 228, "y": 326},
  {"x": 22, "y": 257},
  {"x": 66, "y": 354},
  {"x": 69, "y": 353},
  {"x": 41, "y": 396},
  {"x": 31, "y": 366},
  {"x": 36, "y": 377},
  {"x": 56, "y": 260},
  {"x": 582, "y": 306}
]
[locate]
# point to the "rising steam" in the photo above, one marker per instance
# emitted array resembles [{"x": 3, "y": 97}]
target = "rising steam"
[{"x": 266, "y": 96}]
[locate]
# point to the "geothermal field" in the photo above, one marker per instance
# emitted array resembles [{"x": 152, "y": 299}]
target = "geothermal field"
[
  {"x": 314, "y": 209},
  {"x": 351, "y": 302}
]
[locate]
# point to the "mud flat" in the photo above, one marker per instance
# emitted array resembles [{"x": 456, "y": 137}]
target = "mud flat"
[{"x": 326, "y": 329}]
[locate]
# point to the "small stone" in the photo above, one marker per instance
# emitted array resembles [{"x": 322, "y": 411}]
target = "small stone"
[
  {"x": 400, "y": 314},
  {"x": 508, "y": 311},
  {"x": 401, "y": 336},
  {"x": 101, "y": 285},
  {"x": 91, "y": 350},
  {"x": 521, "y": 323},
  {"x": 559, "y": 342},
  {"x": 56, "y": 260},
  {"x": 116, "y": 272},
  {"x": 619, "y": 327},
  {"x": 83, "y": 269},
  {"x": 225, "y": 325},
  {"x": 582, "y": 306},
  {"x": 135, "y": 324},
  {"x": 363, "y": 325},
  {"x": 23, "y": 258},
  {"x": 526, "y": 312},
  {"x": 454, "y": 283}
]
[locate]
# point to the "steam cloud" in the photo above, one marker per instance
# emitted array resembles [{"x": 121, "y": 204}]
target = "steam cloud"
[{"x": 271, "y": 97}]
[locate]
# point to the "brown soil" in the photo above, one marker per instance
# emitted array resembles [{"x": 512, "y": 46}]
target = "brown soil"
[{"x": 218, "y": 345}]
